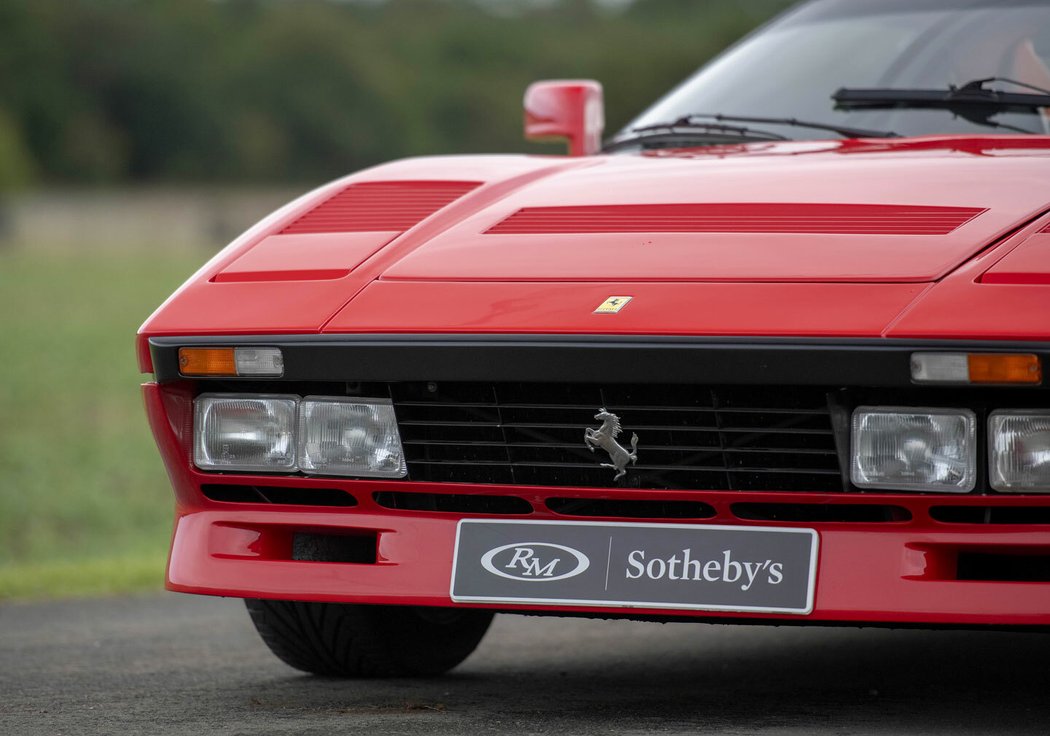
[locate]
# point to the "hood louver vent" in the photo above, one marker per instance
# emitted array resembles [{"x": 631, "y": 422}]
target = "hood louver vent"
[
  {"x": 834, "y": 219},
  {"x": 385, "y": 206}
]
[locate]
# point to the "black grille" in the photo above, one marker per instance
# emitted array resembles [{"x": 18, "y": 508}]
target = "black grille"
[{"x": 690, "y": 437}]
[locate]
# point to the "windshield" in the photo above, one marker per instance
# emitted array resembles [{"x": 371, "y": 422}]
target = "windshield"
[{"x": 793, "y": 66}]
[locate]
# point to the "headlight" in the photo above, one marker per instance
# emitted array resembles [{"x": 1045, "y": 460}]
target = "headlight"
[
  {"x": 318, "y": 435},
  {"x": 1019, "y": 451},
  {"x": 914, "y": 449},
  {"x": 349, "y": 437},
  {"x": 245, "y": 432}
]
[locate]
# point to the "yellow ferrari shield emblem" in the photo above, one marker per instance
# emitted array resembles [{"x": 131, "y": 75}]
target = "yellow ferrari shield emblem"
[{"x": 612, "y": 305}]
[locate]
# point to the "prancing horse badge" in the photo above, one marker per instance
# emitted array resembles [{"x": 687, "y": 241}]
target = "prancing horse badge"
[
  {"x": 612, "y": 305},
  {"x": 605, "y": 438}
]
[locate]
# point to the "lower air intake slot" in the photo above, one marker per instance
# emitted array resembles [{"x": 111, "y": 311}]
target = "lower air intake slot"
[
  {"x": 354, "y": 548},
  {"x": 999, "y": 567},
  {"x": 630, "y": 509},
  {"x": 855, "y": 513},
  {"x": 991, "y": 514},
  {"x": 281, "y": 495},
  {"x": 454, "y": 503}
]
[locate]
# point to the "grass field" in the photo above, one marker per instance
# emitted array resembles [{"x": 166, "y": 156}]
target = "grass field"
[{"x": 85, "y": 506}]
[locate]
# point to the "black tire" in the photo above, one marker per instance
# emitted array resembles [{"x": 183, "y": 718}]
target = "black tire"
[{"x": 343, "y": 640}]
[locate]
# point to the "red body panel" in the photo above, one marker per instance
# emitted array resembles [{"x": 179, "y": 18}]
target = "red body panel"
[
  {"x": 317, "y": 256},
  {"x": 206, "y": 306},
  {"x": 918, "y": 238},
  {"x": 1029, "y": 263},
  {"x": 986, "y": 179},
  {"x": 1012, "y": 305},
  {"x": 679, "y": 308}
]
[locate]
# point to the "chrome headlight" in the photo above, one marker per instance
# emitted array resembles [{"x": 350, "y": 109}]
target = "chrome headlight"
[
  {"x": 1019, "y": 451},
  {"x": 350, "y": 437},
  {"x": 910, "y": 449},
  {"x": 245, "y": 432},
  {"x": 318, "y": 435}
]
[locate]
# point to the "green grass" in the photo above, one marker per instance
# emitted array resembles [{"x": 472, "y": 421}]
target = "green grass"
[
  {"x": 85, "y": 506},
  {"x": 131, "y": 573}
]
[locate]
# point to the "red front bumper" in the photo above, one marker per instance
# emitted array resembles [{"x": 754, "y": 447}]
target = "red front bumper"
[{"x": 885, "y": 572}]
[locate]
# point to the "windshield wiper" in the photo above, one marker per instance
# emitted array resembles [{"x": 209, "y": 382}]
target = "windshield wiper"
[
  {"x": 844, "y": 130},
  {"x": 698, "y": 119},
  {"x": 714, "y": 125},
  {"x": 684, "y": 130},
  {"x": 972, "y": 101}
]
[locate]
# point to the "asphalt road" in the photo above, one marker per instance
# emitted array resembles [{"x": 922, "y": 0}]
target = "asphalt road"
[{"x": 176, "y": 664}]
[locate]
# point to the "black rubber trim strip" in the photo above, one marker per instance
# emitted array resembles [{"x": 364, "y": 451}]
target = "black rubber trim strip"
[{"x": 597, "y": 358}]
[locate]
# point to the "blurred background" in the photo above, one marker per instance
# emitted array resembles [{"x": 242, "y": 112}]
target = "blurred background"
[{"x": 137, "y": 138}]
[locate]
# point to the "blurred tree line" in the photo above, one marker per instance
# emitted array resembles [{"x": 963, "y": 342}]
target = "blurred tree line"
[{"x": 112, "y": 91}]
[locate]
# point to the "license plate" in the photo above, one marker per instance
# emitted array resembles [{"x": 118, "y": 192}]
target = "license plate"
[{"x": 628, "y": 565}]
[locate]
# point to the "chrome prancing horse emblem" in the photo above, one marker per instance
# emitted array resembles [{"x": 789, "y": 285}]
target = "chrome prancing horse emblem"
[{"x": 605, "y": 438}]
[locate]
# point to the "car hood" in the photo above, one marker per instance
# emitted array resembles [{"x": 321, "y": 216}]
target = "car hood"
[
  {"x": 793, "y": 238},
  {"x": 799, "y": 212}
]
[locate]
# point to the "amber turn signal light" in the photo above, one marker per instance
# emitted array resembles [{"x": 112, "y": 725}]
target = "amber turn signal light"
[
  {"x": 985, "y": 368},
  {"x": 245, "y": 361},
  {"x": 207, "y": 362},
  {"x": 1008, "y": 368}
]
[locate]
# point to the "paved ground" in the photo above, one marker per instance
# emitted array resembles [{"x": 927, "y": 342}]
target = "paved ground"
[{"x": 184, "y": 665}]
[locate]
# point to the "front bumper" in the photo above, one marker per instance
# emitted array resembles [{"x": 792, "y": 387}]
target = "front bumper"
[{"x": 905, "y": 569}]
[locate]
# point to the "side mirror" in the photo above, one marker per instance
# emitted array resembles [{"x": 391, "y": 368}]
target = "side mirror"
[{"x": 570, "y": 110}]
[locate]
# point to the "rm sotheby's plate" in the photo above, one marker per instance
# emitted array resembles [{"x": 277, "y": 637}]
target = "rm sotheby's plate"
[{"x": 676, "y": 566}]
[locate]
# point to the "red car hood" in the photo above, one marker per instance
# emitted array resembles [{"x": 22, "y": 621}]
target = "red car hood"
[
  {"x": 788, "y": 213},
  {"x": 807, "y": 238}
]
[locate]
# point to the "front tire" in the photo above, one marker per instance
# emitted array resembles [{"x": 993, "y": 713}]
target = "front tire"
[{"x": 346, "y": 640}]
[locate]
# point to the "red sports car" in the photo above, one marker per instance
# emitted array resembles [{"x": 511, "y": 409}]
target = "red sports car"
[{"x": 772, "y": 353}]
